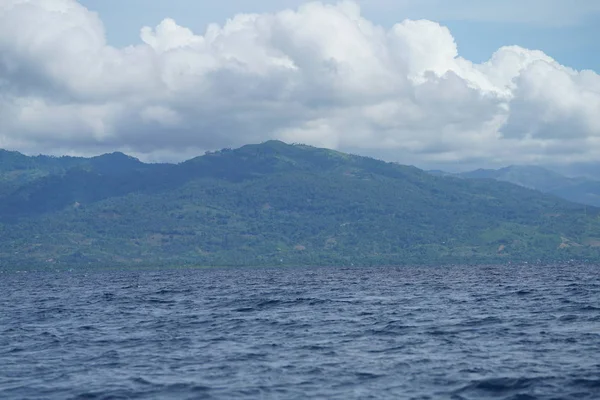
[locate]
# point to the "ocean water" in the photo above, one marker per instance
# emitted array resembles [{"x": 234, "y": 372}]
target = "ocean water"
[{"x": 518, "y": 332}]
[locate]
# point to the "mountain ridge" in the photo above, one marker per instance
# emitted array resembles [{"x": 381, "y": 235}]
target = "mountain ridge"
[
  {"x": 581, "y": 190},
  {"x": 280, "y": 204}
]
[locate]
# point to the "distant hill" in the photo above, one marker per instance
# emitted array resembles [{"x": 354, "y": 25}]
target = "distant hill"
[
  {"x": 278, "y": 204},
  {"x": 17, "y": 169},
  {"x": 528, "y": 176},
  {"x": 580, "y": 190}
]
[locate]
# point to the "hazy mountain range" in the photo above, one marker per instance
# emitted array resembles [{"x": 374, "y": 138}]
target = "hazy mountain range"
[
  {"x": 584, "y": 190},
  {"x": 280, "y": 204}
]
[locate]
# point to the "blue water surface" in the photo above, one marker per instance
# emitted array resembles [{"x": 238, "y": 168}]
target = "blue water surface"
[{"x": 502, "y": 332}]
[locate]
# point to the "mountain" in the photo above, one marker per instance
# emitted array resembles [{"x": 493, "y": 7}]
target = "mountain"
[
  {"x": 579, "y": 190},
  {"x": 528, "y": 176},
  {"x": 34, "y": 185},
  {"x": 17, "y": 169},
  {"x": 584, "y": 192},
  {"x": 280, "y": 204},
  {"x": 589, "y": 170}
]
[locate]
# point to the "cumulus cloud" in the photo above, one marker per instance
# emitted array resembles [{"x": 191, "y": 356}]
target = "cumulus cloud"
[{"x": 320, "y": 74}]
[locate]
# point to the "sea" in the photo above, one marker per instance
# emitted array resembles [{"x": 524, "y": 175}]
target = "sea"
[{"x": 518, "y": 332}]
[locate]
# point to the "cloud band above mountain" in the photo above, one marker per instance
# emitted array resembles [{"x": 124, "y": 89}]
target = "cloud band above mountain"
[{"x": 320, "y": 74}]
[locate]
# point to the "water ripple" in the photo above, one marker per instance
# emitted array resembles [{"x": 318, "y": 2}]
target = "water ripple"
[{"x": 518, "y": 332}]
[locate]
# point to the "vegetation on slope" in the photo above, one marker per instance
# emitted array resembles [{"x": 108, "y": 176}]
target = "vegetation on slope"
[{"x": 282, "y": 204}]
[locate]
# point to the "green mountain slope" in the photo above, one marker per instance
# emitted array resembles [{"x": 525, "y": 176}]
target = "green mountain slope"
[
  {"x": 17, "y": 170},
  {"x": 275, "y": 204}
]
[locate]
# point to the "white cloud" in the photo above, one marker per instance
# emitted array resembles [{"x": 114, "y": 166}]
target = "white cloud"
[{"x": 320, "y": 74}]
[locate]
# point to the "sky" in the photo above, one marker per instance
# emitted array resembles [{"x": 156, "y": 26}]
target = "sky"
[{"x": 434, "y": 83}]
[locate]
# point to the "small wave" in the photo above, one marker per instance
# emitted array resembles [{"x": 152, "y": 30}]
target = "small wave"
[
  {"x": 268, "y": 304},
  {"x": 16, "y": 350},
  {"x": 587, "y": 383},
  {"x": 524, "y": 292},
  {"x": 392, "y": 328},
  {"x": 244, "y": 309},
  {"x": 476, "y": 322},
  {"x": 315, "y": 347},
  {"x": 568, "y": 318},
  {"x": 388, "y": 350},
  {"x": 501, "y": 385},
  {"x": 166, "y": 292},
  {"x": 130, "y": 287},
  {"x": 87, "y": 328},
  {"x": 186, "y": 387},
  {"x": 522, "y": 396},
  {"x": 589, "y": 308},
  {"x": 365, "y": 376},
  {"x": 159, "y": 301},
  {"x": 142, "y": 381}
]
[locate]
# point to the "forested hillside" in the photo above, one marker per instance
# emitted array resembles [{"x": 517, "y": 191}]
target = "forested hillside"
[{"x": 275, "y": 204}]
